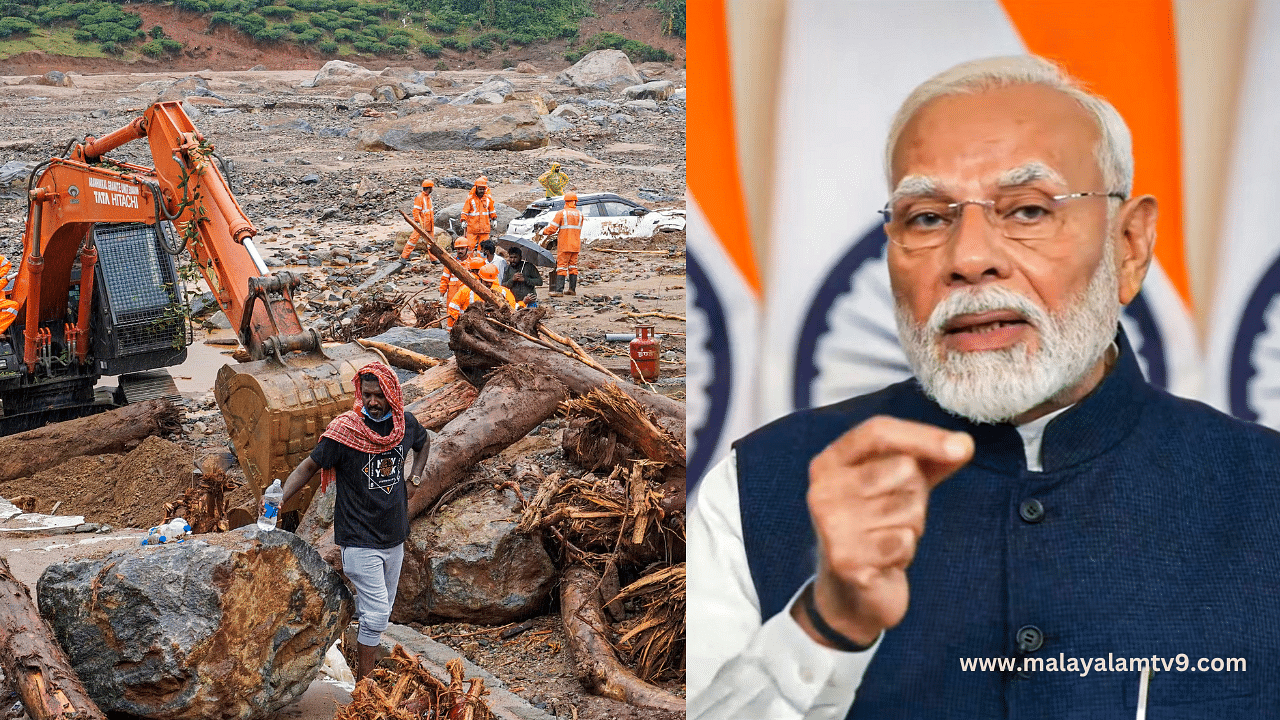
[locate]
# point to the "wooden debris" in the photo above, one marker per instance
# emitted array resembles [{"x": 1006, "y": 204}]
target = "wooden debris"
[
  {"x": 377, "y": 314},
  {"x": 113, "y": 431},
  {"x": 514, "y": 401},
  {"x": 593, "y": 657},
  {"x": 480, "y": 346},
  {"x": 514, "y": 631},
  {"x": 592, "y": 445},
  {"x": 400, "y": 688},
  {"x": 662, "y": 315},
  {"x": 203, "y": 505},
  {"x": 618, "y": 412},
  {"x": 400, "y": 357},
  {"x": 654, "y": 643},
  {"x": 34, "y": 665},
  {"x": 448, "y": 395}
]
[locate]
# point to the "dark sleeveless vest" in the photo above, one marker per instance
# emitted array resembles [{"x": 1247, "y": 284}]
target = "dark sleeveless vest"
[{"x": 1157, "y": 533}]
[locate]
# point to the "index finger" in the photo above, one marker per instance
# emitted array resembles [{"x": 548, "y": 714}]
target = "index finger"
[{"x": 940, "y": 451}]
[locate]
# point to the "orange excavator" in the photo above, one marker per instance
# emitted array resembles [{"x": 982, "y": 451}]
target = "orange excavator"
[{"x": 100, "y": 295}]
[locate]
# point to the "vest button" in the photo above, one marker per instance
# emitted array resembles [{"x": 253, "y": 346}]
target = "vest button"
[
  {"x": 1029, "y": 639},
  {"x": 1031, "y": 511}
]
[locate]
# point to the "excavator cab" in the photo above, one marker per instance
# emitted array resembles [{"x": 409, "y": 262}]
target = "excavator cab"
[{"x": 99, "y": 295}]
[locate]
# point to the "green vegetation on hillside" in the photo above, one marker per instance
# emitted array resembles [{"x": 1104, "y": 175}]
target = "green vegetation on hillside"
[
  {"x": 636, "y": 51},
  {"x": 378, "y": 27},
  {"x": 672, "y": 16}
]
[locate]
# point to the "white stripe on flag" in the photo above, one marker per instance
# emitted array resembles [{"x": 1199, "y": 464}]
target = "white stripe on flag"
[
  {"x": 722, "y": 335},
  {"x": 1244, "y": 339}
]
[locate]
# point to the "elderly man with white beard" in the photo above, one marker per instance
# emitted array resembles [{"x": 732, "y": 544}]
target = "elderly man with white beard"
[{"x": 1026, "y": 528}]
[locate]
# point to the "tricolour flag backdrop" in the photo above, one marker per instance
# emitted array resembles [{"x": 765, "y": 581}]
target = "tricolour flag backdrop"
[
  {"x": 820, "y": 326},
  {"x": 1244, "y": 337},
  {"x": 723, "y": 284}
]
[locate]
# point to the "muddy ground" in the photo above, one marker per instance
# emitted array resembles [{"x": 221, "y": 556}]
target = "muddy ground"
[{"x": 36, "y": 122}]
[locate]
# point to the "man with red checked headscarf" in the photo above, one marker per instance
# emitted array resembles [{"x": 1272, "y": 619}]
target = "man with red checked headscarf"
[{"x": 364, "y": 449}]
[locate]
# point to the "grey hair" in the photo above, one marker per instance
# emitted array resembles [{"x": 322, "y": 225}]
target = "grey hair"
[{"x": 1114, "y": 151}]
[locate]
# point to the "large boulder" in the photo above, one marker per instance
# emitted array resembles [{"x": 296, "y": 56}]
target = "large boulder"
[
  {"x": 13, "y": 178},
  {"x": 466, "y": 562},
  {"x": 506, "y": 214},
  {"x": 341, "y": 72},
  {"x": 555, "y": 123},
  {"x": 656, "y": 90},
  {"x": 602, "y": 70},
  {"x": 53, "y": 78},
  {"x": 225, "y": 626},
  {"x": 493, "y": 91},
  {"x": 389, "y": 93},
  {"x": 413, "y": 89},
  {"x": 510, "y": 126},
  {"x": 432, "y": 342}
]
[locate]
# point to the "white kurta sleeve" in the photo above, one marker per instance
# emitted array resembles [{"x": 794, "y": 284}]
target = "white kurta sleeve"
[{"x": 739, "y": 668}]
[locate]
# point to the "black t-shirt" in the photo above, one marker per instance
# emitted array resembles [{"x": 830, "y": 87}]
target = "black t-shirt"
[{"x": 372, "y": 508}]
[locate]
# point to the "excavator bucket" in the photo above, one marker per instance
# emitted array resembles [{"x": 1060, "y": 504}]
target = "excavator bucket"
[{"x": 276, "y": 412}]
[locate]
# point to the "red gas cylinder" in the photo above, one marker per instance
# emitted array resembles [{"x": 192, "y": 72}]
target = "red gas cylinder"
[{"x": 644, "y": 354}]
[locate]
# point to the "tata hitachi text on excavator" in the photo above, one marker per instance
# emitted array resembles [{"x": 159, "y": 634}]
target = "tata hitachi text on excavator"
[{"x": 100, "y": 295}]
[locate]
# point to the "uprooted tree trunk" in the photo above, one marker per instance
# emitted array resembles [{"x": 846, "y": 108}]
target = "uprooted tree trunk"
[
  {"x": 478, "y": 344},
  {"x": 593, "y": 658},
  {"x": 114, "y": 431},
  {"x": 448, "y": 394},
  {"x": 620, "y": 413},
  {"x": 515, "y": 400},
  {"x": 33, "y": 663}
]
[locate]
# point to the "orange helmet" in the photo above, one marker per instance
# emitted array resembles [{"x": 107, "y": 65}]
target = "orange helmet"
[
  {"x": 475, "y": 263},
  {"x": 571, "y": 199},
  {"x": 482, "y": 181},
  {"x": 428, "y": 183},
  {"x": 489, "y": 273}
]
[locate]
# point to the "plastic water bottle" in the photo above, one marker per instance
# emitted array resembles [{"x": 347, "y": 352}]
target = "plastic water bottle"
[{"x": 272, "y": 499}]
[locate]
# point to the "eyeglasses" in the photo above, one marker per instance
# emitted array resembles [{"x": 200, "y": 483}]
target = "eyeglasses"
[{"x": 918, "y": 223}]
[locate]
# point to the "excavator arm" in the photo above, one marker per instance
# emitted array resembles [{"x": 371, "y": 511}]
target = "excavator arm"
[{"x": 277, "y": 405}]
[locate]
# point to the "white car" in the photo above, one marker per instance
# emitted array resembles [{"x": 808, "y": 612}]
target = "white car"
[{"x": 604, "y": 215}]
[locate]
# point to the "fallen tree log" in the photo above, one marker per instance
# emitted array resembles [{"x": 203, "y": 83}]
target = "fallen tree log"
[
  {"x": 448, "y": 394},
  {"x": 593, "y": 658},
  {"x": 514, "y": 401},
  {"x": 478, "y": 345},
  {"x": 33, "y": 663},
  {"x": 114, "y": 431},
  {"x": 400, "y": 357}
]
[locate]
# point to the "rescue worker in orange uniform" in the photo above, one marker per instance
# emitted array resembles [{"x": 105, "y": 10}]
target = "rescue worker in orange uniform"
[
  {"x": 8, "y": 308},
  {"x": 448, "y": 283},
  {"x": 489, "y": 273},
  {"x": 478, "y": 214},
  {"x": 567, "y": 222},
  {"x": 461, "y": 300},
  {"x": 424, "y": 215}
]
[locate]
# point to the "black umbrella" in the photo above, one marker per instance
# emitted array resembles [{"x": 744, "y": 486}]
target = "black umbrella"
[{"x": 530, "y": 250}]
